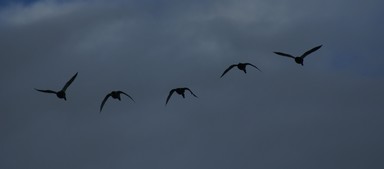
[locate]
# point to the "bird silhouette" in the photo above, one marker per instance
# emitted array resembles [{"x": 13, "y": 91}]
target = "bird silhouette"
[
  {"x": 180, "y": 91},
  {"x": 60, "y": 94},
  {"x": 240, "y": 66},
  {"x": 299, "y": 59},
  {"x": 115, "y": 95}
]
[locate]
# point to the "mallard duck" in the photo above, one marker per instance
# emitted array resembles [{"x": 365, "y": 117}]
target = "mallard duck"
[
  {"x": 115, "y": 95},
  {"x": 300, "y": 59},
  {"x": 180, "y": 91},
  {"x": 60, "y": 94},
  {"x": 240, "y": 66}
]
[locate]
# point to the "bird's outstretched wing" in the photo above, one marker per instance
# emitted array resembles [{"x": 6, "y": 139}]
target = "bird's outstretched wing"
[
  {"x": 69, "y": 82},
  {"x": 284, "y": 54},
  {"x": 310, "y": 51},
  {"x": 226, "y": 70},
  {"x": 191, "y": 92},
  {"x": 104, "y": 100},
  {"x": 252, "y": 66},
  {"x": 46, "y": 91},
  {"x": 126, "y": 95},
  {"x": 169, "y": 95}
]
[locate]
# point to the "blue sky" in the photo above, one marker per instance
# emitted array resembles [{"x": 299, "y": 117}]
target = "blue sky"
[{"x": 325, "y": 114}]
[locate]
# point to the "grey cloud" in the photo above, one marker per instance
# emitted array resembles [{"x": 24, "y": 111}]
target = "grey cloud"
[{"x": 323, "y": 115}]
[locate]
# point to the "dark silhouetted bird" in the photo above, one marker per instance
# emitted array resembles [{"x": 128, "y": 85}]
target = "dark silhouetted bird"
[
  {"x": 115, "y": 95},
  {"x": 60, "y": 94},
  {"x": 240, "y": 66},
  {"x": 299, "y": 59},
  {"x": 180, "y": 91}
]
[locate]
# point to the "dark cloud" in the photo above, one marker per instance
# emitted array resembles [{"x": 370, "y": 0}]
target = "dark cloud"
[{"x": 323, "y": 115}]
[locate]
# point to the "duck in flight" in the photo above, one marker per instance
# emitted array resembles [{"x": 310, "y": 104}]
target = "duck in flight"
[
  {"x": 180, "y": 91},
  {"x": 115, "y": 95},
  {"x": 300, "y": 59},
  {"x": 60, "y": 94},
  {"x": 240, "y": 66}
]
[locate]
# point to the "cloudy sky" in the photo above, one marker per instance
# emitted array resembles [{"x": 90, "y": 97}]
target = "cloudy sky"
[{"x": 325, "y": 114}]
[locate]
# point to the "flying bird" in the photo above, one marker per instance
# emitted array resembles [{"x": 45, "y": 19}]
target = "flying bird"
[
  {"x": 60, "y": 94},
  {"x": 299, "y": 59},
  {"x": 180, "y": 91},
  {"x": 115, "y": 95},
  {"x": 240, "y": 66}
]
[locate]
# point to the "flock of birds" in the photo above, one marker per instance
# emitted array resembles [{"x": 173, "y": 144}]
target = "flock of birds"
[{"x": 181, "y": 91}]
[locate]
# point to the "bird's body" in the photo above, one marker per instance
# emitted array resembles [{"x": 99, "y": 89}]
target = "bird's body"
[
  {"x": 180, "y": 91},
  {"x": 115, "y": 95},
  {"x": 299, "y": 59},
  {"x": 240, "y": 66},
  {"x": 60, "y": 94}
]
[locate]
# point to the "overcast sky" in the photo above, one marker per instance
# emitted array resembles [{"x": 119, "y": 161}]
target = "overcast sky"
[{"x": 325, "y": 114}]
